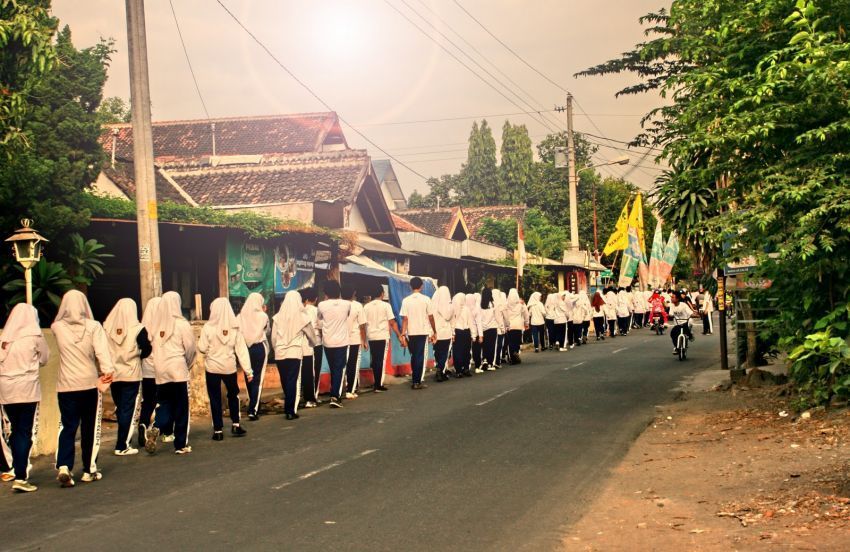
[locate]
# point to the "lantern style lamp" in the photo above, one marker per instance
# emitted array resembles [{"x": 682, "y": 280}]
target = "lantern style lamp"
[{"x": 27, "y": 246}]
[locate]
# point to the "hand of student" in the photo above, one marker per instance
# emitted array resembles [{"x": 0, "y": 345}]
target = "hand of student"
[
  {"x": 433, "y": 339},
  {"x": 106, "y": 378},
  {"x": 249, "y": 379},
  {"x": 365, "y": 345}
]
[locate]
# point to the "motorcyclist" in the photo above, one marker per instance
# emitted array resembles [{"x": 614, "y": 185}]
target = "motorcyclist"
[{"x": 681, "y": 312}]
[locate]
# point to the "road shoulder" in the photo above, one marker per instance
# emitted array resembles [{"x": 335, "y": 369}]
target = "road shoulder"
[{"x": 724, "y": 470}]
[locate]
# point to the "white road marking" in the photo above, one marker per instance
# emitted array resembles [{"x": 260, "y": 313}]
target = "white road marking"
[
  {"x": 615, "y": 351},
  {"x": 323, "y": 469},
  {"x": 575, "y": 365},
  {"x": 502, "y": 394}
]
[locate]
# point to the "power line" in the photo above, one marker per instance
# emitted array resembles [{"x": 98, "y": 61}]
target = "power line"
[
  {"x": 488, "y": 60},
  {"x": 631, "y": 144},
  {"x": 511, "y": 50},
  {"x": 314, "y": 94},
  {"x": 457, "y": 59},
  {"x": 464, "y": 118},
  {"x": 188, "y": 61}
]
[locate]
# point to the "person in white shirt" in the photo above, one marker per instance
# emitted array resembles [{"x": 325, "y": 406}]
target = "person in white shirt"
[
  {"x": 149, "y": 377},
  {"x": 333, "y": 314},
  {"x": 23, "y": 350},
  {"x": 223, "y": 346},
  {"x": 584, "y": 299},
  {"x": 488, "y": 324},
  {"x": 611, "y": 311},
  {"x": 380, "y": 320},
  {"x": 500, "y": 300},
  {"x": 681, "y": 314},
  {"x": 581, "y": 309},
  {"x": 516, "y": 322},
  {"x": 569, "y": 302},
  {"x": 463, "y": 326},
  {"x": 561, "y": 319},
  {"x": 623, "y": 312},
  {"x": 417, "y": 324},
  {"x": 597, "y": 311},
  {"x": 85, "y": 369},
  {"x": 551, "y": 314},
  {"x": 706, "y": 308},
  {"x": 254, "y": 325},
  {"x": 356, "y": 341},
  {"x": 638, "y": 308},
  {"x": 537, "y": 320},
  {"x": 173, "y": 356},
  {"x": 291, "y": 327},
  {"x": 473, "y": 305},
  {"x": 128, "y": 345},
  {"x": 311, "y": 361},
  {"x": 443, "y": 315}
]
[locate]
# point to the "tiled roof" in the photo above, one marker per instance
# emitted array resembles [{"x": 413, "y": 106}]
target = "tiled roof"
[
  {"x": 437, "y": 222},
  {"x": 123, "y": 177},
  {"x": 474, "y": 216},
  {"x": 269, "y": 135},
  {"x": 404, "y": 225},
  {"x": 290, "y": 179}
]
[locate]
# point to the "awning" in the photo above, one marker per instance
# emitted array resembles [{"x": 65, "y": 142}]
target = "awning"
[{"x": 368, "y": 243}]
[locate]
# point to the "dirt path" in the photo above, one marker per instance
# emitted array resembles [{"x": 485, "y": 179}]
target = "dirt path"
[{"x": 727, "y": 470}]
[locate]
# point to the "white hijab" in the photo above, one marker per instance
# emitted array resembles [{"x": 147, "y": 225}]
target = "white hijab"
[
  {"x": 534, "y": 299},
  {"x": 458, "y": 302},
  {"x": 122, "y": 321},
  {"x": 291, "y": 319},
  {"x": 147, "y": 317},
  {"x": 252, "y": 320},
  {"x": 22, "y": 322},
  {"x": 473, "y": 303},
  {"x": 513, "y": 302},
  {"x": 73, "y": 313},
  {"x": 583, "y": 300},
  {"x": 442, "y": 302},
  {"x": 498, "y": 298},
  {"x": 222, "y": 322},
  {"x": 166, "y": 315}
]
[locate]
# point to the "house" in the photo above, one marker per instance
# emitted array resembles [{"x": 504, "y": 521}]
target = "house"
[{"x": 387, "y": 179}]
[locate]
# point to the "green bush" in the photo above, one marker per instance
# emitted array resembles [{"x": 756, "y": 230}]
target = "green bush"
[{"x": 821, "y": 369}]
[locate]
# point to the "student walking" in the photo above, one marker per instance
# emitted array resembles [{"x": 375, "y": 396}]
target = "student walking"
[
  {"x": 23, "y": 351},
  {"x": 611, "y": 311},
  {"x": 579, "y": 312},
  {"x": 623, "y": 312},
  {"x": 551, "y": 314},
  {"x": 443, "y": 315},
  {"x": 173, "y": 355},
  {"x": 706, "y": 308},
  {"x": 473, "y": 305},
  {"x": 85, "y": 369},
  {"x": 500, "y": 301},
  {"x": 356, "y": 340},
  {"x": 254, "y": 325},
  {"x": 290, "y": 329},
  {"x": 516, "y": 322},
  {"x": 223, "y": 346},
  {"x": 129, "y": 346},
  {"x": 489, "y": 325},
  {"x": 537, "y": 320},
  {"x": 380, "y": 320},
  {"x": 464, "y": 326},
  {"x": 149, "y": 377},
  {"x": 333, "y": 315},
  {"x": 561, "y": 318},
  {"x": 311, "y": 361},
  {"x": 417, "y": 324}
]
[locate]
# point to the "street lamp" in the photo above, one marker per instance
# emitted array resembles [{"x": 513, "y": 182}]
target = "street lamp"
[{"x": 27, "y": 247}]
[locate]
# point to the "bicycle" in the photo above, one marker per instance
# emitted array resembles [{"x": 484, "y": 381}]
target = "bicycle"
[{"x": 657, "y": 324}]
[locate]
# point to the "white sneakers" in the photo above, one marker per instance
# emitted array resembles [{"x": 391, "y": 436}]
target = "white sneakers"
[
  {"x": 65, "y": 478},
  {"x": 168, "y": 438},
  {"x": 185, "y": 450},
  {"x": 127, "y": 452},
  {"x": 351, "y": 396},
  {"x": 5, "y": 477},
  {"x": 90, "y": 477},
  {"x": 310, "y": 404},
  {"x": 22, "y": 486}
]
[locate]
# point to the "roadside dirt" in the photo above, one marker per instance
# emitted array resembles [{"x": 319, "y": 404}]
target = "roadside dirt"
[{"x": 727, "y": 470}]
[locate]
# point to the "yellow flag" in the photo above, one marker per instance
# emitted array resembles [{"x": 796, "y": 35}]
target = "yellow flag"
[
  {"x": 636, "y": 221},
  {"x": 620, "y": 237}
]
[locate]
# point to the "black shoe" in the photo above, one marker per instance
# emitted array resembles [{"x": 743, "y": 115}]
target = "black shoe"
[
  {"x": 292, "y": 416},
  {"x": 237, "y": 431},
  {"x": 467, "y": 374},
  {"x": 418, "y": 386},
  {"x": 253, "y": 417},
  {"x": 142, "y": 429},
  {"x": 335, "y": 403},
  {"x": 380, "y": 389},
  {"x": 218, "y": 436}
]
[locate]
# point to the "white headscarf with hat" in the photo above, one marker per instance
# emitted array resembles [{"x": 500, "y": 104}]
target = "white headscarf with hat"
[{"x": 22, "y": 322}]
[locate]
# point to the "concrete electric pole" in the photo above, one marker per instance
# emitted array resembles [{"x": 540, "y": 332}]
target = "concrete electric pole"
[
  {"x": 573, "y": 177},
  {"x": 145, "y": 177}
]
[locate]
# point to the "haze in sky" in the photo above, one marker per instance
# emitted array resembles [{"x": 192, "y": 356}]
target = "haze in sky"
[{"x": 382, "y": 74}]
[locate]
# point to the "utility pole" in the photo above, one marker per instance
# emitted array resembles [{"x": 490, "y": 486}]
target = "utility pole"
[
  {"x": 145, "y": 177},
  {"x": 573, "y": 178}
]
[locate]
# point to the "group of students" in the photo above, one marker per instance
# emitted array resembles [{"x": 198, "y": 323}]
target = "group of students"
[{"x": 146, "y": 363}]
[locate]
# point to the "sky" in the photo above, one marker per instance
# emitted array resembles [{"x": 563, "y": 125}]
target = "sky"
[{"x": 392, "y": 81}]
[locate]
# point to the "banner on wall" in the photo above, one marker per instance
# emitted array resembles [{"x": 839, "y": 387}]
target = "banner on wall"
[
  {"x": 293, "y": 269},
  {"x": 250, "y": 268}
]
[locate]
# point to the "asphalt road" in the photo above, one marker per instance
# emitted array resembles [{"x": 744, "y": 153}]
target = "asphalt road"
[{"x": 500, "y": 461}]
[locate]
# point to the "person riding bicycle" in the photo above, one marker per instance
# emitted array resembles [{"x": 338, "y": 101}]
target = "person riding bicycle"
[{"x": 681, "y": 312}]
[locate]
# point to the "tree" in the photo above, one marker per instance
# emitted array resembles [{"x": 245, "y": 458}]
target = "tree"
[
  {"x": 26, "y": 55},
  {"x": 416, "y": 200},
  {"x": 517, "y": 167},
  {"x": 46, "y": 181},
  {"x": 479, "y": 178},
  {"x": 113, "y": 110},
  {"x": 755, "y": 134}
]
